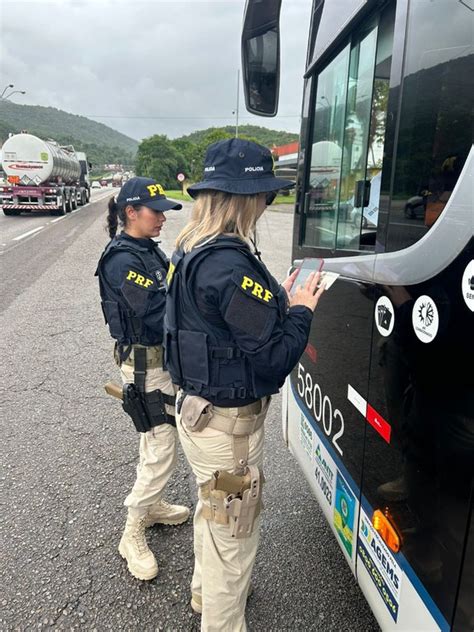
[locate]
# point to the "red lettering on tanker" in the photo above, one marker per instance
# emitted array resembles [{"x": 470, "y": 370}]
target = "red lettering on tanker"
[{"x": 21, "y": 167}]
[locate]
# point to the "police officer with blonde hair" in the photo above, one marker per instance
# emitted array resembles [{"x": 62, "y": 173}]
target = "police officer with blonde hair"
[
  {"x": 232, "y": 335},
  {"x": 132, "y": 278}
]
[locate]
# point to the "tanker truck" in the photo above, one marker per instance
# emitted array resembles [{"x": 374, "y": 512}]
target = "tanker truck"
[
  {"x": 42, "y": 176},
  {"x": 117, "y": 179}
]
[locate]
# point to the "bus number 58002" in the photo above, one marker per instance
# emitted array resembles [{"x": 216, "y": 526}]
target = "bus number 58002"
[{"x": 320, "y": 407}]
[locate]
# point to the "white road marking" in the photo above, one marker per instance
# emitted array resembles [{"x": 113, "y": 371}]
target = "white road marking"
[
  {"x": 38, "y": 228},
  {"x": 30, "y": 232}
]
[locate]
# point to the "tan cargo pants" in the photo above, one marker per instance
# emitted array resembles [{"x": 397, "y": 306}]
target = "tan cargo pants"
[
  {"x": 157, "y": 446},
  {"x": 222, "y": 565}
]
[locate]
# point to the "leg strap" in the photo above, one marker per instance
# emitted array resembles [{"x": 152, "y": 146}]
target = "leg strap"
[
  {"x": 240, "y": 453},
  {"x": 139, "y": 368}
]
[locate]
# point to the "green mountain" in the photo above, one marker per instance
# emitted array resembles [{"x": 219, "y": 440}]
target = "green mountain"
[
  {"x": 262, "y": 135},
  {"x": 101, "y": 143}
]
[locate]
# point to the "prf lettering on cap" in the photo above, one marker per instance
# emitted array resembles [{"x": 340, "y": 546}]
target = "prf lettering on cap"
[
  {"x": 139, "y": 279},
  {"x": 154, "y": 189},
  {"x": 252, "y": 287}
]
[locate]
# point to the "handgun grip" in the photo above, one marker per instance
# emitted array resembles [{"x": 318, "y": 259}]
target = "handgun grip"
[{"x": 114, "y": 389}]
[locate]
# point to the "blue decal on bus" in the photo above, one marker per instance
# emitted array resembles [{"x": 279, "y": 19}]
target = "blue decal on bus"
[{"x": 344, "y": 513}]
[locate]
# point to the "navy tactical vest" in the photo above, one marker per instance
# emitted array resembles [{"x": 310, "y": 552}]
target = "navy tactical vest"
[
  {"x": 126, "y": 328},
  {"x": 201, "y": 357}
]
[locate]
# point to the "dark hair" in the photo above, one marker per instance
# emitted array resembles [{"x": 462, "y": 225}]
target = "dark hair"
[{"x": 117, "y": 214}]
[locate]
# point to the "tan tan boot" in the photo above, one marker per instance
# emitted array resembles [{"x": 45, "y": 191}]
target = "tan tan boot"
[
  {"x": 164, "y": 513},
  {"x": 133, "y": 547}
]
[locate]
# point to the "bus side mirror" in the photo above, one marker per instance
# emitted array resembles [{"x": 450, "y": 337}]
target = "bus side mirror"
[{"x": 261, "y": 56}]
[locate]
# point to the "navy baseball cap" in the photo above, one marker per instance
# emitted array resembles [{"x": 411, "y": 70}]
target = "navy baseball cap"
[
  {"x": 147, "y": 192},
  {"x": 239, "y": 166}
]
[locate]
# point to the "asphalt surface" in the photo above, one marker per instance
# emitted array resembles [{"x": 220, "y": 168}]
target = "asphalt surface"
[{"x": 68, "y": 456}]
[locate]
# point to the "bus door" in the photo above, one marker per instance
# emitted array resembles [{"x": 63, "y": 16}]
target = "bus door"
[
  {"x": 343, "y": 154},
  {"x": 415, "y": 544}
]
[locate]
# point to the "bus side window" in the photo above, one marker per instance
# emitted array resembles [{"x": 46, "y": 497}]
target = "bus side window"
[
  {"x": 343, "y": 189},
  {"x": 435, "y": 115}
]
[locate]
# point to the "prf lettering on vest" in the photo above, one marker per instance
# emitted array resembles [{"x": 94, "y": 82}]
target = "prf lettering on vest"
[
  {"x": 257, "y": 290},
  {"x": 154, "y": 189},
  {"x": 169, "y": 276},
  {"x": 139, "y": 279}
]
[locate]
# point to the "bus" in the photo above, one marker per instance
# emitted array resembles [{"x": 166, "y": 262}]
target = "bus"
[{"x": 379, "y": 411}]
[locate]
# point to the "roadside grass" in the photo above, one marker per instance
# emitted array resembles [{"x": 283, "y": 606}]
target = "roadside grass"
[
  {"x": 285, "y": 199},
  {"x": 176, "y": 194}
]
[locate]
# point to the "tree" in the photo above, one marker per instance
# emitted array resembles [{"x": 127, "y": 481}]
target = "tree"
[
  {"x": 213, "y": 136},
  {"x": 159, "y": 159}
]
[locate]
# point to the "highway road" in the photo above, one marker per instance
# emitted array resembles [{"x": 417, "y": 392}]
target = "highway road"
[
  {"x": 16, "y": 229},
  {"x": 68, "y": 455}
]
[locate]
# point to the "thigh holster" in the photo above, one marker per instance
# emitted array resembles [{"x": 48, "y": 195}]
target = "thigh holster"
[
  {"x": 230, "y": 498},
  {"x": 147, "y": 410},
  {"x": 234, "y": 500}
]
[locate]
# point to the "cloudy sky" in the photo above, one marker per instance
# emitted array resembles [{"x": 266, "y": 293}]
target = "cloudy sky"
[{"x": 143, "y": 67}]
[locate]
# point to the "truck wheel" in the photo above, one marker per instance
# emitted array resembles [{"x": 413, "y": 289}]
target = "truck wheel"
[
  {"x": 69, "y": 205},
  {"x": 61, "y": 210},
  {"x": 74, "y": 201},
  {"x": 10, "y": 212}
]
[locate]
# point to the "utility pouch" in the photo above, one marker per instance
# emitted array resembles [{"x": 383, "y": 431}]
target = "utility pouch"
[
  {"x": 113, "y": 318},
  {"x": 196, "y": 412},
  {"x": 195, "y": 364}
]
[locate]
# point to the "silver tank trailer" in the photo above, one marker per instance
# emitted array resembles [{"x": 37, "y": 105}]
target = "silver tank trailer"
[{"x": 36, "y": 161}]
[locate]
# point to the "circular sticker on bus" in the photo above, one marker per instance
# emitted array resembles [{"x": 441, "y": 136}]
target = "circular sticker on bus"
[
  {"x": 468, "y": 285},
  {"x": 384, "y": 316},
  {"x": 425, "y": 318}
]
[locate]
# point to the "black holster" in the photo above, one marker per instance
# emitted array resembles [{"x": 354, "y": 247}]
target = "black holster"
[{"x": 147, "y": 410}]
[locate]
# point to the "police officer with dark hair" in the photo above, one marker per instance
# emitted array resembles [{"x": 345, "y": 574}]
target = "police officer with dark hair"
[
  {"x": 232, "y": 335},
  {"x": 132, "y": 277}
]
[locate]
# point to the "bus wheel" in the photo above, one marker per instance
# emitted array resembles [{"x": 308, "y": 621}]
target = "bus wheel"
[{"x": 9, "y": 212}]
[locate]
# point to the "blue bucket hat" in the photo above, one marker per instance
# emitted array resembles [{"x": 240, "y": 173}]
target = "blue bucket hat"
[
  {"x": 147, "y": 192},
  {"x": 241, "y": 167}
]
